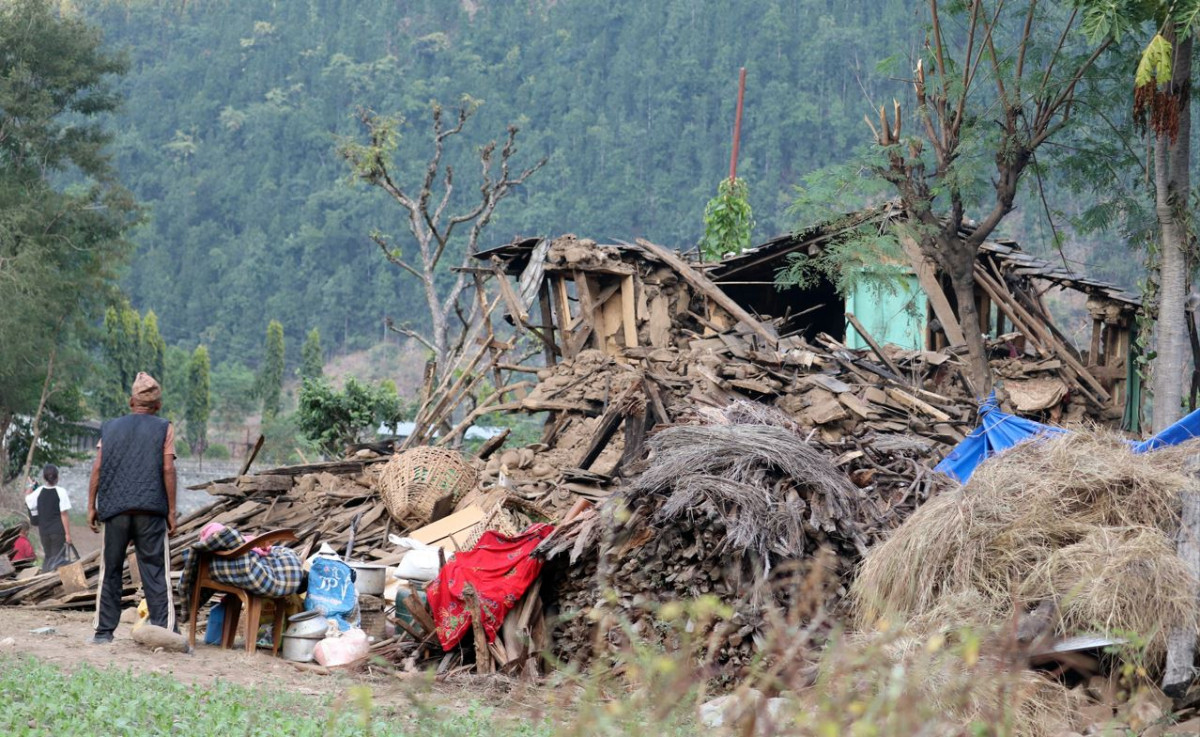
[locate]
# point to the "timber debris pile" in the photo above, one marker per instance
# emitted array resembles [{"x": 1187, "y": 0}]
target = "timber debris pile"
[{"x": 704, "y": 434}]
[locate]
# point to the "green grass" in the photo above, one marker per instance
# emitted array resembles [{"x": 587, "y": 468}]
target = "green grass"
[{"x": 42, "y": 700}]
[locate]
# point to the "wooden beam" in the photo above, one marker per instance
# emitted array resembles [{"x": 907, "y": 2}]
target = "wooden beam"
[
  {"x": 562, "y": 307},
  {"x": 710, "y": 290},
  {"x": 629, "y": 311},
  {"x": 591, "y": 320},
  {"x": 258, "y": 444},
  {"x": 999, "y": 295},
  {"x": 607, "y": 426},
  {"x": 515, "y": 308},
  {"x": 927, "y": 278},
  {"x": 875, "y": 347},
  {"x": 547, "y": 334}
]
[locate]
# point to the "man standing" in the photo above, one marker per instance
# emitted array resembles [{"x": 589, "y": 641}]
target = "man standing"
[
  {"x": 48, "y": 506},
  {"x": 132, "y": 492}
]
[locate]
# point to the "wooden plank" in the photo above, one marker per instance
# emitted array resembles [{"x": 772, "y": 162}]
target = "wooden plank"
[
  {"x": 910, "y": 402},
  {"x": 1181, "y": 643},
  {"x": 629, "y": 311},
  {"x": 419, "y": 613},
  {"x": 591, "y": 320},
  {"x": 483, "y": 655},
  {"x": 875, "y": 347},
  {"x": 73, "y": 578},
  {"x": 709, "y": 289},
  {"x": 547, "y": 336},
  {"x": 446, "y": 527},
  {"x": 258, "y": 444},
  {"x": 927, "y": 278},
  {"x": 607, "y": 426},
  {"x": 515, "y": 308},
  {"x": 611, "y": 308},
  {"x": 660, "y": 321}
]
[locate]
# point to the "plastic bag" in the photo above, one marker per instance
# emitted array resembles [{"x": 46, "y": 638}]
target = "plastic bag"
[
  {"x": 420, "y": 561},
  {"x": 331, "y": 591},
  {"x": 66, "y": 556},
  {"x": 352, "y": 645}
]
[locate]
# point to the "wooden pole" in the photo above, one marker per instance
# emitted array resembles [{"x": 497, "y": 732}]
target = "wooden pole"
[{"x": 737, "y": 125}]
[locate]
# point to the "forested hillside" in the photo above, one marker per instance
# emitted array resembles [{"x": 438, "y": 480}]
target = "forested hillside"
[{"x": 233, "y": 111}]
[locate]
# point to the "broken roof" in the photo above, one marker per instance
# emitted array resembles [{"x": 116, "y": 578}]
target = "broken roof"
[{"x": 1007, "y": 252}]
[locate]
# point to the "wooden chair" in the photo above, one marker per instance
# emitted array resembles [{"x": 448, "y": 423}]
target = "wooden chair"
[{"x": 252, "y": 603}]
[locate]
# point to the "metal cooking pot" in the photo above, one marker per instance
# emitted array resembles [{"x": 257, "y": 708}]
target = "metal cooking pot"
[
  {"x": 370, "y": 578},
  {"x": 300, "y": 649},
  {"x": 306, "y": 624}
]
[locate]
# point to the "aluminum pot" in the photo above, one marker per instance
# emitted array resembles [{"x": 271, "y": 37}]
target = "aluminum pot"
[
  {"x": 300, "y": 648},
  {"x": 306, "y": 624},
  {"x": 370, "y": 578}
]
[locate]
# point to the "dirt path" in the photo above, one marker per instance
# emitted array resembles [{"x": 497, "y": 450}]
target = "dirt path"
[{"x": 67, "y": 648}]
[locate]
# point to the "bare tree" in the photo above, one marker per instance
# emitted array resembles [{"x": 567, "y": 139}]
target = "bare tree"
[
  {"x": 992, "y": 86},
  {"x": 429, "y": 222}
]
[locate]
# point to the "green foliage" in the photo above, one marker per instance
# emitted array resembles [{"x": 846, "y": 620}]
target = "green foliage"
[
  {"x": 1154, "y": 67},
  {"x": 42, "y": 699},
  {"x": 131, "y": 344},
  {"x": 335, "y": 419},
  {"x": 175, "y": 385},
  {"x": 56, "y": 432},
  {"x": 218, "y": 452},
  {"x": 864, "y": 257},
  {"x": 233, "y": 394},
  {"x": 270, "y": 378},
  {"x": 62, "y": 214},
  {"x": 198, "y": 401},
  {"x": 312, "y": 358},
  {"x": 283, "y": 443},
  {"x": 153, "y": 348},
  {"x": 728, "y": 220}
]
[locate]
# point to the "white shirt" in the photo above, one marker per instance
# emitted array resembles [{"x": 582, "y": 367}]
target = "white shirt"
[{"x": 31, "y": 499}]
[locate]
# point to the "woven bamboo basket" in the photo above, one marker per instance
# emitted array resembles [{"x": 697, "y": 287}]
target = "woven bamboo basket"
[
  {"x": 413, "y": 481},
  {"x": 498, "y": 520}
]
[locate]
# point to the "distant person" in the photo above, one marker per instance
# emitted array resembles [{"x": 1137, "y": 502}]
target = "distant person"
[
  {"x": 48, "y": 508},
  {"x": 132, "y": 494},
  {"x": 21, "y": 547}
]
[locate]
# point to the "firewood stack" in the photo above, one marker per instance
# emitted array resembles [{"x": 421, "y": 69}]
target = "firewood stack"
[{"x": 727, "y": 510}]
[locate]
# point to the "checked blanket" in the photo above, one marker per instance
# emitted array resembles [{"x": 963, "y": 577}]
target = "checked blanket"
[{"x": 274, "y": 572}]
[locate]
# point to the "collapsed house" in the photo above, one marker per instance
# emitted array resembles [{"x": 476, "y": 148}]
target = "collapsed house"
[{"x": 642, "y": 350}]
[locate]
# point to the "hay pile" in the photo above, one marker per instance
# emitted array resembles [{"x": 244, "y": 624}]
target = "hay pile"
[{"x": 1079, "y": 520}]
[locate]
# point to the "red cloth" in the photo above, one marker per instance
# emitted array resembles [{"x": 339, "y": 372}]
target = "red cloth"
[
  {"x": 499, "y": 568},
  {"x": 22, "y": 549}
]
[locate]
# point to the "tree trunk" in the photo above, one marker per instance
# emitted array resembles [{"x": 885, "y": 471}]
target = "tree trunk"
[
  {"x": 1171, "y": 184},
  {"x": 968, "y": 318},
  {"x": 35, "y": 427}
]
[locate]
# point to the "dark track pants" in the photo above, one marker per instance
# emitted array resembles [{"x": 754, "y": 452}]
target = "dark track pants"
[{"x": 149, "y": 535}]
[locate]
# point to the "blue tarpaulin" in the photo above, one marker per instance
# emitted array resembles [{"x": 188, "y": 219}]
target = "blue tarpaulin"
[
  {"x": 999, "y": 431},
  {"x": 1182, "y": 431}
]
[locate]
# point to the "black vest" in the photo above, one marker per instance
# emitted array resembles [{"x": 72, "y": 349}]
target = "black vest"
[
  {"x": 49, "y": 514},
  {"x": 131, "y": 466}
]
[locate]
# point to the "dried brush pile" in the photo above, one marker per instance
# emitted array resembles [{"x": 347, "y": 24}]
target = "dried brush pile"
[
  {"x": 1079, "y": 520},
  {"x": 773, "y": 495}
]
